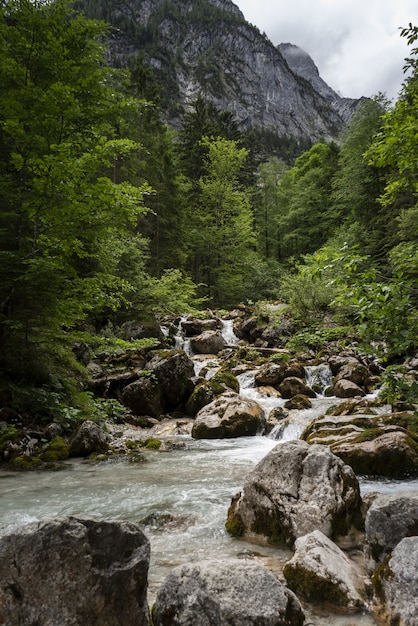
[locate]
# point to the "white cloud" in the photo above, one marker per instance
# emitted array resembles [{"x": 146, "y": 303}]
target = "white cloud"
[{"x": 356, "y": 44}]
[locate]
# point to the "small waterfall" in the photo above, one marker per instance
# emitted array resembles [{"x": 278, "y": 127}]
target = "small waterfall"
[
  {"x": 319, "y": 378},
  {"x": 228, "y": 332},
  {"x": 180, "y": 341}
]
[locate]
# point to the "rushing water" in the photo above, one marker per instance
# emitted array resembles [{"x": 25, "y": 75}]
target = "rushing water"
[{"x": 190, "y": 488}]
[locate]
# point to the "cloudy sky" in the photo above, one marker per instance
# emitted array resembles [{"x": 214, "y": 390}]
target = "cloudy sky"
[{"x": 356, "y": 44}]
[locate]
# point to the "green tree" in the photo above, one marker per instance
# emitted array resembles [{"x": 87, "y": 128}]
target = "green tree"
[
  {"x": 266, "y": 206},
  {"x": 68, "y": 210},
  {"x": 357, "y": 184},
  {"x": 222, "y": 239},
  {"x": 305, "y": 216},
  {"x": 396, "y": 146}
]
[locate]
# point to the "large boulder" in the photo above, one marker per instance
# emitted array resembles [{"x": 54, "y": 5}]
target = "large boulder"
[
  {"x": 74, "y": 572},
  {"x": 208, "y": 342},
  {"x": 194, "y": 326},
  {"x": 371, "y": 444},
  {"x": 344, "y": 388},
  {"x": 229, "y": 415},
  {"x": 174, "y": 371},
  {"x": 271, "y": 373},
  {"x": 389, "y": 519},
  {"x": 293, "y": 490},
  {"x": 319, "y": 571},
  {"x": 355, "y": 372},
  {"x": 396, "y": 586},
  {"x": 88, "y": 439},
  {"x": 294, "y": 386},
  {"x": 393, "y": 453},
  {"x": 144, "y": 397},
  {"x": 206, "y": 391},
  {"x": 221, "y": 594}
]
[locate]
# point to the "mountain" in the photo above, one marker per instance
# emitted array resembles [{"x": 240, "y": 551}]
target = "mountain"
[
  {"x": 301, "y": 63},
  {"x": 206, "y": 47}
]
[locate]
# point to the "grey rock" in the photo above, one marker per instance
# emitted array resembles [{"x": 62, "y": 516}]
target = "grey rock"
[
  {"x": 144, "y": 397},
  {"x": 208, "y": 342},
  {"x": 229, "y": 415},
  {"x": 396, "y": 585},
  {"x": 320, "y": 571},
  {"x": 293, "y": 490},
  {"x": 74, "y": 572},
  {"x": 231, "y": 593},
  {"x": 344, "y": 388},
  {"x": 271, "y": 374},
  {"x": 389, "y": 519},
  {"x": 294, "y": 386},
  {"x": 88, "y": 439},
  {"x": 174, "y": 371},
  {"x": 356, "y": 372}
]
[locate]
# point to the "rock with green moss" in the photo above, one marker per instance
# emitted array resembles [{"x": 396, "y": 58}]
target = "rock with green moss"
[
  {"x": 320, "y": 572},
  {"x": 373, "y": 444},
  {"x": 26, "y": 462},
  {"x": 229, "y": 415},
  {"x": 298, "y": 402},
  {"x": 208, "y": 390},
  {"x": 296, "y": 489},
  {"x": 293, "y": 386},
  {"x": 55, "y": 450},
  {"x": 144, "y": 396},
  {"x": 88, "y": 439}
]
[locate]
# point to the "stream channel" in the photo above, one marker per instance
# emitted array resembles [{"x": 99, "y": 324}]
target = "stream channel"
[{"x": 193, "y": 485}]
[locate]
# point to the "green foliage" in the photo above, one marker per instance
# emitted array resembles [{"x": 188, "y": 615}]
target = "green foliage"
[
  {"x": 399, "y": 387},
  {"x": 384, "y": 306},
  {"x": 305, "y": 217},
  {"x": 174, "y": 292},
  {"x": 396, "y": 146},
  {"x": 68, "y": 208},
  {"x": 319, "y": 338},
  {"x": 221, "y": 227},
  {"x": 357, "y": 183},
  {"x": 311, "y": 289}
]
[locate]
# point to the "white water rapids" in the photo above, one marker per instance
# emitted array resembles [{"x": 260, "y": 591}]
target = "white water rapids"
[{"x": 194, "y": 485}]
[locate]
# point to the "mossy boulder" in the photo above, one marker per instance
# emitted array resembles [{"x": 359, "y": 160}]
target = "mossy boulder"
[
  {"x": 371, "y": 444},
  {"x": 292, "y": 386},
  {"x": 294, "y": 490},
  {"x": 144, "y": 396},
  {"x": 208, "y": 390},
  {"x": 56, "y": 450},
  {"x": 229, "y": 415},
  {"x": 88, "y": 439},
  {"x": 320, "y": 572}
]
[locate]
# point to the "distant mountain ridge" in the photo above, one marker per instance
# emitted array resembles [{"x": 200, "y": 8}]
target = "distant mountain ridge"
[{"x": 207, "y": 47}]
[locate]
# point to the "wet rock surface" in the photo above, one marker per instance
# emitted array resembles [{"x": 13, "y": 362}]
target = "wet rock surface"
[
  {"x": 320, "y": 571},
  {"x": 74, "y": 572},
  {"x": 229, "y": 415},
  {"x": 221, "y": 594},
  {"x": 294, "y": 490}
]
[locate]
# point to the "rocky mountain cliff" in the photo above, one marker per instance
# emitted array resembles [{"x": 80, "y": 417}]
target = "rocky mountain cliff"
[{"x": 206, "y": 47}]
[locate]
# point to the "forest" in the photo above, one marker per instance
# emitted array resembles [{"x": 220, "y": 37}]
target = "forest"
[{"x": 109, "y": 216}]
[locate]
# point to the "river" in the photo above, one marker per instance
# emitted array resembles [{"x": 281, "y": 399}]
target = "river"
[{"x": 190, "y": 488}]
